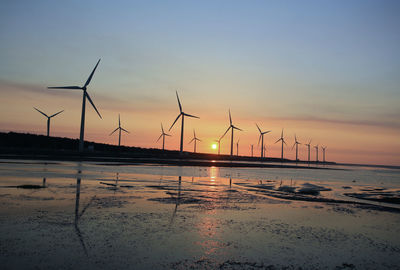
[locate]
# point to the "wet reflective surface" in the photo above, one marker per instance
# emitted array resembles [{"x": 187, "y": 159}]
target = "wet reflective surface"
[{"x": 88, "y": 216}]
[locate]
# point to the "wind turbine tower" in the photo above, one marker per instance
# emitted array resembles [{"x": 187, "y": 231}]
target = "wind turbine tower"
[
  {"x": 183, "y": 120},
  {"x": 262, "y": 140},
  {"x": 283, "y": 142},
  {"x": 163, "y": 134},
  {"x": 85, "y": 95},
  {"x": 48, "y": 119},
  {"x": 232, "y": 127},
  {"x": 316, "y": 153},
  {"x": 296, "y": 143},
  {"x": 219, "y": 144},
  {"x": 119, "y": 128},
  {"x": 308, "y": 147},
  {"x": 323, "y": 153},
  {"x": 195, "y": 139}
]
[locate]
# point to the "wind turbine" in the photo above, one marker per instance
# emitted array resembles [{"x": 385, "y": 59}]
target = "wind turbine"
[
  {"x": 120, "y": 129},
  {"x": 183, "y": 119},
  {"x": 283, "y": 142},
  {"x": 219, "y": 144},
  {"x": 195, "y": 139},
  {"x": 296, "y": 143},
  {"x": 237, "y": 148},
  {"x": 231, "y": 126},
  {"x": 262, "y": 139},
  {"x": 48, "y": 119},
  {"x": 323, "y": 152},
  {"x": 316, "y": 153},
  {"x": 308, "y": 146},
  {"x": 252, "y": 146},
  {"x": 163, "y": 134},
  {"x": 85, "y": 95}
]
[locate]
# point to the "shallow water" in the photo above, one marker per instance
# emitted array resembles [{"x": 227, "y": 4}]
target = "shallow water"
[{"x": 88, "y": 215}]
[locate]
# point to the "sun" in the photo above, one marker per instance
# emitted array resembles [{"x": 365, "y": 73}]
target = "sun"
[{"x": 214, "y": 146}]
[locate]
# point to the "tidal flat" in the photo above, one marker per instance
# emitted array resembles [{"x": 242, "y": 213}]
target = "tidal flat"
[{"x": 87, "y": 215}]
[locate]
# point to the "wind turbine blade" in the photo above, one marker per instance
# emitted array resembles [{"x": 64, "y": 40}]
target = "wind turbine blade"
[
  {"x": 40, "y": 112},
  {"x": 167, "y": 135},
  {"x": 282, "y": 133},
  {"x": 125, "y": 130},
  {"x": 258, "y": 128},
  {"x": 159, "y": 137},
  {"x": 56, "y": 113},
  {"x": 175, "y": 121},
  {"x": 91, "y": 102},
  {"x": 225, "y": 132},
  {"x": 113, "y": 131},
  {"x": 179, "y": 103},
  {"x": 119, "y": 121},
  {"x": 259, "y": 139},
  {"x": 278, "y": 140},
  {"x": 237, "y": 128},
  {"x": 284, "y": 142},
  {"x": 191, "y": 141},
  {"x": 194, "y": 133},
  {"x": 198, "y": 140},
  {"x": 293, "y": 145},
  {"x": 65, "y": 87},
  {"x": 189, "y": 115},
  {"x": 162, "y": 128},
  {"x": 230, "y": 118},
  {"x": 91, "y": 74}
]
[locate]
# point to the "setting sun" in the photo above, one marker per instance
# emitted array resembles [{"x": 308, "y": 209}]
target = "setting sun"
[{"x": 214, "y": 146}]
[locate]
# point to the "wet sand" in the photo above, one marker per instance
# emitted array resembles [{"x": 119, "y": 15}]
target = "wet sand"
[{"x": 70, "y": 215}]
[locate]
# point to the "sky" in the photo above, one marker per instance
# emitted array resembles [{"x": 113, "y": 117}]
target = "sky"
[{"x": 327, "y": 71}]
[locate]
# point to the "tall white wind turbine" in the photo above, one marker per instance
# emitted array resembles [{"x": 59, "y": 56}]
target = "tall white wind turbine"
[
  {"x": 296, "y": 143},
  {"x": 48, "y": 119},
  {"x": 181, "y": 114},
  {"x": 85, "y": 95},
  {"x": 163, "y": 134},
  {"x": 283, "y": 142},
  {"x": 119, "y": 128},
  {"x": 195, "y": 140},
  {"x": 262, "y": 139},
  {"x": 232, "y": 127},
  {"x": 316, "y": 153},
  {"x": 308, "y": 147},
  {"x": 323, "y": 153}
]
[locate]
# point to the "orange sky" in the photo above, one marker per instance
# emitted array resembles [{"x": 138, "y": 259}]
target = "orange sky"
[{"x": 347, "y": 141}]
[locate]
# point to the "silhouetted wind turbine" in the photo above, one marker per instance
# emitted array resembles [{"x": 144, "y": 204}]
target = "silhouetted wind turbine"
[
  {"x": 316, "y": 153},
  {"x": 323, "y": 152},
  {"x": 120, "y": 129},
  {"x": 163, "y": 134},
  {"x": 283, "y": 142},
  {"x": 48, "y": 119},
  {"x": 237, "y": 148},
  {"x": 219, "y": 144},
  {"x": 183, "y": 118},
  {"x": 296, "y": 143},
  {"x": 231, "y": 126},
  {"x": 308, "y": 146},
  {"x": 262, "y": 139},
  {"x": 252, "y": 146},
  {"x": 195, "y": 139},
  {"x": 85, "y": 95}
]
